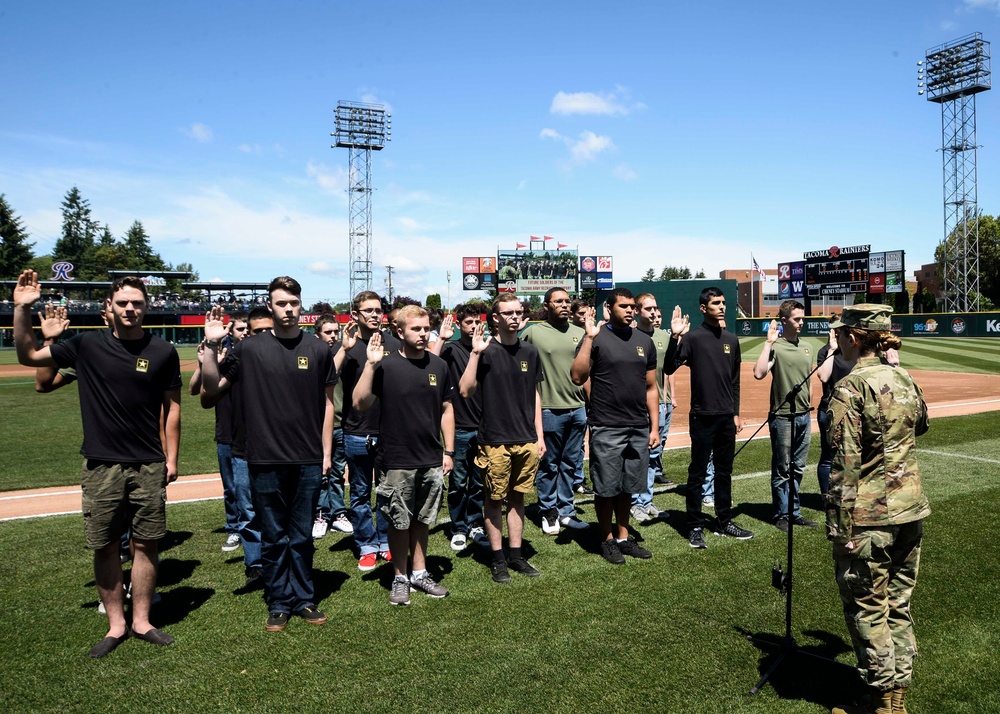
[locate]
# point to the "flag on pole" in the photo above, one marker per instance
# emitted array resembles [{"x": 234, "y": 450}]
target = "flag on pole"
[
  {"x": 560, "y": 245},
  {"x": 756, "y": 267},
  {"x": 547, "y": 238},
  {"x": 521, "y": 245},
  {"x": 534, "y": 237}
]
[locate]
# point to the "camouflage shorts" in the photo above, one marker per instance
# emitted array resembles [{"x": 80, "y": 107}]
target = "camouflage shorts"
[
  {"x": 117, "y": 497},
  {"x": 404, "y": 494}
]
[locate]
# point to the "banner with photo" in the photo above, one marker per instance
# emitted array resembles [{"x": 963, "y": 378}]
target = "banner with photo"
[{"x": 534, "y": 271}]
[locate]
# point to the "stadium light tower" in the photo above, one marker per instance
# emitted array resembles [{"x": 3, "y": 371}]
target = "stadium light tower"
[
  {"x": 952, "y": 75},
  {"x": 360, "y": 128}
]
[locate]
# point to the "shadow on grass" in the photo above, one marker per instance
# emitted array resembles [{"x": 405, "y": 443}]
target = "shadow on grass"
[
  {"x": 173, "y": 571},
  {"x": 808, "y": 673},
  {"x": 327, "y": 582},
  {"x": 173, "y": 539},
  {"x": 179, "y": 603}
]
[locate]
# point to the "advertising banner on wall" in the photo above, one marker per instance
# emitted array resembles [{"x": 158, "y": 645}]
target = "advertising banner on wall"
[
  {"x": 791, "y": 280},
  {"x": 596, "y": 272},
  {"x": 479, "y": 273}
]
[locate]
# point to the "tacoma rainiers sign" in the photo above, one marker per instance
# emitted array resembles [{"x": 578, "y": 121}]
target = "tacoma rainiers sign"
[{"x": 837, "y": 271}]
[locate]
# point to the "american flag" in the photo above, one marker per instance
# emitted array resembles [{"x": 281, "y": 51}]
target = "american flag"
[{"x": 757, "y": 268}]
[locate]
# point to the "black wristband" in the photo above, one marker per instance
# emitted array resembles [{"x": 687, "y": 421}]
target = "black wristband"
[{"x": 449, "y": 453}]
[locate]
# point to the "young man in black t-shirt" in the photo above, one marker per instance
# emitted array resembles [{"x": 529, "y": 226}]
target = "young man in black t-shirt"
[
  {"x": 713, "y": 354},
  {"x": 506, "y": 371},
  {"x": 361, "y": 430},
  {"x": 620, "y": 363},
  {"x": 416, "y": 393},
  {"x": 128, "y": 378},
  {"x": 288, "y": 378},
  {"x": 465, "y": 483}
]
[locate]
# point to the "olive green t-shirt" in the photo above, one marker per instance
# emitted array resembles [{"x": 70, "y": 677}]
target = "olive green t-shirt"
[
  {"x": 557, "y": 350},
  {"x": 792, "y": 364},
  {"x": 661, "y": 339}
]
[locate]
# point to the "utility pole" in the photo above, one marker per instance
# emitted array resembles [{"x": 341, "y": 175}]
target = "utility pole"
[
  {"x": 388, "y": 281},
  {"x": 447, "y": 308}
]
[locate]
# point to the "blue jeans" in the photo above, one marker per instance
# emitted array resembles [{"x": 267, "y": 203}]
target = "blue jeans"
[
  {"x": 825, "y": 465},
  {"x": 286, "y": 498},
  {"x": 225, "y": 454},
  {"x": 708, "y": 489},
  {"x": 655, "y": 457},
  {"x": 331, "y": 492},
  {"x": 564, "y": 430},
  {"x": 247, "y": 521},
  {"x": 789, "y": 450},
  {"x": 360, "y": 453},
  {"x": 465, "y": 485},
  {"x": 578, "y": 474}
]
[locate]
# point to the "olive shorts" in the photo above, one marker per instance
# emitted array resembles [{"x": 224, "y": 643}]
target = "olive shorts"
[
  {"x": 507, "y": 467},
  {"x": 121, "y": 496},
  {"x": 405, "y": 493}
]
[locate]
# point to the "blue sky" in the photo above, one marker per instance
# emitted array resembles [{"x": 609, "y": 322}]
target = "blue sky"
[{"x": 676, "y": 133}]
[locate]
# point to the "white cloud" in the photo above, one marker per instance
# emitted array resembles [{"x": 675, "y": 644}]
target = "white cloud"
[
  {"x": 330, "y": 180},
  {"x": 249, "y": 148},
  {"x": 371, "y": 97},
  {"x": 199, "y": 132},
  {"x": 321, "y": 267},
  {"x": 948, "y": 25},
  {"x": 989, "y": 4},
  {"x": 623, "y": 172},
  {"x": 608, "y": 104},
  {"x": 585, "y": 148},
  {"x": 407, "y": 223},
  {"x": 522, "y": 184}
]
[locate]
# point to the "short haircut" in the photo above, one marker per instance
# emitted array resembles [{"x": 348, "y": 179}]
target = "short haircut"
[
  {"x": 619, "y": 293},
  {"x": 436, "y": 315},
  {"x": 552, "y": 291},
  {"x": 466, "y": 310},
  {"x": 577, "y": 304},
  {"x": 128, "y": 281},
  {"x": 259, "y": 313},
  {"x": 323, "y": 319},
  {"x": 504, "y": 297},
  {"x": 404, "y": 313},
  {"x": 644, "y": 296},
  {"x": 283, "y": 282},
  {"x": 785, "y": 308},
  {"x": 708, "y": 293},
  {"x": 240, "y": 316},
  {"x": 364, "y": 296}
]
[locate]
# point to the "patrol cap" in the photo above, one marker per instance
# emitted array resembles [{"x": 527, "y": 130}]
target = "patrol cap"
[{"x": 865, "y": 317}]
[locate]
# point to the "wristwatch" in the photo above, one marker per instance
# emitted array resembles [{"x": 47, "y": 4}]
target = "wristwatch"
[{"x": 449, "y": 453}]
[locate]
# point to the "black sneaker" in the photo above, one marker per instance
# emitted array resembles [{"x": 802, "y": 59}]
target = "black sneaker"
[
  {"x": 522, "y": 566},
  {"x": 731, "y": 530},
  {"x": 633, "y": 549},
  {"x": 499, "y": 570},
  {"x": 255, "y": 579},
  {"x": 611, "y": 552},
  {"x": 782, "y": 525},
  {"x": 804, "y": 522},
  {"x": 696, "y": 539},
  {"x": 312, "y": 615},
  {"x": 663, "y": 481},
  {"x": 276, "y": 621}
]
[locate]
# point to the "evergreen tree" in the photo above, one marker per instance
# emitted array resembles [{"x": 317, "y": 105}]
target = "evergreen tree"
[
  {"x": 76, "y": 245},
  {"x": 138, "y": 250},
  {"x": 15, "y": 250}
]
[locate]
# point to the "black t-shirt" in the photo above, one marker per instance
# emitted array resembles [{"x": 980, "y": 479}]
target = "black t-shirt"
[
  {"x": 122, "y": 383},
  {"x": 412, "y": 392},
  {"x": 468, "y": 412},
  {"x": 619, "y": 360},
  {"x": 841, "y": 368},
  {"x": 507, "y": 376},
  {"x": 713, "y": 354},
  {"x": 283, "y": 397},
  {"x": 224, "y": 419},
  {"x": 355, "y": 422}
]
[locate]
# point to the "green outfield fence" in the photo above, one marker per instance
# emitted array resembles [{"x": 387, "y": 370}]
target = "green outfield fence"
[{"x": 964, "y": 324}]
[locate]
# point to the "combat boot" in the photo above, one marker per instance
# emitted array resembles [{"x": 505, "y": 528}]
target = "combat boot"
[
  {"x": 877, "y": 703},
  {"x": 899, "y": 700}
]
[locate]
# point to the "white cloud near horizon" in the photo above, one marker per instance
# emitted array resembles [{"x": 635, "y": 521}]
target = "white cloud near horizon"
[
  {"x": 584, "y": 149},
  {"x": 567, "y": 103},
  {"x": 199, "y": 132}
]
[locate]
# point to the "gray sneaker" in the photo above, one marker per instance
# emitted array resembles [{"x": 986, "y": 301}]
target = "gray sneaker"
[
  {"x": 400, "y": 593},
  {"x": 478, "y": 536},
  {"x": 232, "y": 543},
  {"x": 696, "y": 539},
  {"x": 639, "y": 514},
  {"x": 426, "y": 584},
  {"x": 653, "y": 512}
]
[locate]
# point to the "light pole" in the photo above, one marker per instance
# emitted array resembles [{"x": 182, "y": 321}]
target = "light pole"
[{"x": 447, "y": 307}]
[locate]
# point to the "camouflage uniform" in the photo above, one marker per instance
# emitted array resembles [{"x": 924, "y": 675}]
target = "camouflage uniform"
[{"x": 876, "y": 501}]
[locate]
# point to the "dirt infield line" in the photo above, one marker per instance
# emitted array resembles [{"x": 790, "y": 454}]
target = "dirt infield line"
[{"x": 947, "y": 394}]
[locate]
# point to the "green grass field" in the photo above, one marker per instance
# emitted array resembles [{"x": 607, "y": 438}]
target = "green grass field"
[{"x": 662, "y": 635}]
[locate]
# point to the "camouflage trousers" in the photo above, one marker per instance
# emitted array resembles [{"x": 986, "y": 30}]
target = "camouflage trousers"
[{"x": 876, "y": 583}]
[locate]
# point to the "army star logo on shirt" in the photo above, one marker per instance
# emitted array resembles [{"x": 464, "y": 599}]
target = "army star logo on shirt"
[
  {"x": 303, "y": 362},
  {"x": 524, "y": 365},
  {"x": 726, "y": 349},
  {"x": 432, "y": 379},
  {"x": 575, "y": 340},
  {"x": 142, "y": 365},
  {"x": 641, "y": 352}
]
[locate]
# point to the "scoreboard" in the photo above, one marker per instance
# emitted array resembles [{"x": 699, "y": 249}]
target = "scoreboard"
[{"x": 837, "y": 271}]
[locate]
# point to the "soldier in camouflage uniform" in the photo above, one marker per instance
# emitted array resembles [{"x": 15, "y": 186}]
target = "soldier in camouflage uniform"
[{"x": 876, "y": 505}]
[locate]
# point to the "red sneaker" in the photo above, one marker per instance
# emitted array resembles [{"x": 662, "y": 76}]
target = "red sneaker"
[
  {"x": 367, "y": 562},
  {"x": 386, "y": 556}
]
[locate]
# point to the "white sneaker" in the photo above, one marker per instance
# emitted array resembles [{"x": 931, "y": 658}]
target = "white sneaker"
[
  {"x": 653, "y": 512},
  {"x": 320, "y": 527},
  {"x": 639, "y": 514},
  {"x": 550, "y": 526},
  {"x": 232, "y": 543},
  {"x": 478, "y": 536},
  {"x": 100, "y": 607},
  {"x": 574, "y": 523},
  {"x": 342, "y": 523},
  {"x": 708, "y": 502},
  {"x": 459, "y": 541}
]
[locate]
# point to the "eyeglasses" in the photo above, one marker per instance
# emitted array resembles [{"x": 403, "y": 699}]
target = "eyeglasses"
[
  {"x": 512, "y": 313},
  {"x": 370, "y": 310}
]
